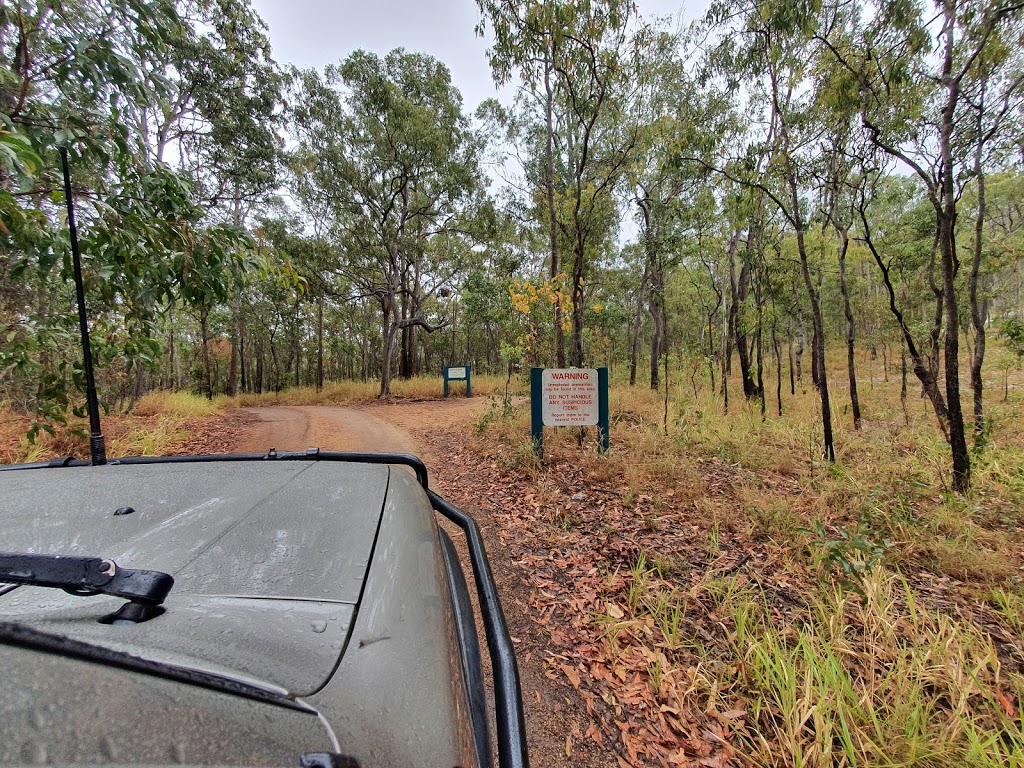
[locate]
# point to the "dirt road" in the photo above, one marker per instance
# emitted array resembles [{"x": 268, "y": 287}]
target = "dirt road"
[{"x": 389, "y": 428}]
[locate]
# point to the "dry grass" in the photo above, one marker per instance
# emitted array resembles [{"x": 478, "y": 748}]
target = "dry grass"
[
  {"x": 353, "y": 392},
  {"x": 159, "y": 422},
  {"x": 892, "y": 476},
  {"x": 907, "y": 650}
]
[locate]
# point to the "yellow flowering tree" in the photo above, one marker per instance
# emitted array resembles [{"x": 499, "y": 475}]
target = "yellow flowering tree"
[{"x": 534, "y": 301}]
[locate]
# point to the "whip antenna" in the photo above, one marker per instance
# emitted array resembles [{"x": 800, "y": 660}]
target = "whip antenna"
[{"x": 97, "y": 450}]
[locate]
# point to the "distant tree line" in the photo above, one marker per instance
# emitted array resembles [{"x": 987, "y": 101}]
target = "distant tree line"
[{"x": 776, "y": 182}]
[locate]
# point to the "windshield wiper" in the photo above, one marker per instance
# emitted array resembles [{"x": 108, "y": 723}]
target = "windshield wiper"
[
  {"x": 91, "y": 576},
  {"x": 21, "y": 636}
]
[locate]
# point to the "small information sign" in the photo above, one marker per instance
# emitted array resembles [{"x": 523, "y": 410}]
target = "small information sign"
[
  {"x": 569, "y": 397},
  {"x": 459, "y": 373}
]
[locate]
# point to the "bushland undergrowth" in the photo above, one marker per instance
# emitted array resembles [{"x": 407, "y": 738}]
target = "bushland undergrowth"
[{"x": 853, "y": 613}]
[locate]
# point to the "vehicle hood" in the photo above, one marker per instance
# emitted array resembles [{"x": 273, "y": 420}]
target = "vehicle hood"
[{"x": 269, "y": 558}]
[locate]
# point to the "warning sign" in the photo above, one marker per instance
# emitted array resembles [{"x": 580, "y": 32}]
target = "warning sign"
[{"x": 569, "y": 397}]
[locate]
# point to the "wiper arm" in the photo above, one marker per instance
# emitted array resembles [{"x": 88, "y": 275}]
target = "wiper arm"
[{"x": 86, "y": 576}]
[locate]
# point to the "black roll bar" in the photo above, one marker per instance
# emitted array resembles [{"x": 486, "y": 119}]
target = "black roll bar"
[{"x": 508, "y": 701}]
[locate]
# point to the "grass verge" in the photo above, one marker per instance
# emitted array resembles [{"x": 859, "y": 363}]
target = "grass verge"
[{"x": 718, "y": 592}]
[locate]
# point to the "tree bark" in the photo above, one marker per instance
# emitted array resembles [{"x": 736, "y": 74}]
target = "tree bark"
[
  {"x": 801, "y": 341},
  {"x": 946, "y": 214},
  {"x": 922, "y": 366},
  {"x": 656, "y": 305},
  {"x": 549, "y": 188},
  {"x": 320, "y": 342},
  {"x": 204, "y": 333},
  {"x": 851, "y": 333},
  {"x": 634, "y": 343},
  {"x": 796, "y": 219},
  {"x": 979, "y": 309}
]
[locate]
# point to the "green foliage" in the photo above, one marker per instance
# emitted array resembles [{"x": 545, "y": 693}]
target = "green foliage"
[
  {"x": 388, "y": 161},
  {"x": 77, "y": 74},
  {"x": 1012, "y": 330},
  {"x": 847, "y": 557}
]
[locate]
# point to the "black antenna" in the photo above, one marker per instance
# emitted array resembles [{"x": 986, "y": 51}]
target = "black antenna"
[{"x": 97, "y": 450}]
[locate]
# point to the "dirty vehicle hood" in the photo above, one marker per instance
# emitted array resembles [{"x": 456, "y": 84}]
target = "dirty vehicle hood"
[{"x": 269, "y": 558}]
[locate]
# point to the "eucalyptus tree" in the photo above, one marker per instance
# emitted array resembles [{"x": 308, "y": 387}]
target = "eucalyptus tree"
[
  {"x": 218, "y": 121},
  {"x": 768, "y": 47},
  {"x": 398, "y": 165},
  {"x": 994, "y": 95},
  {"x": 77, "y": 74},
  {"x": 529, "y": 37},
  {"x": 679, "y": 121},
  {"x": 585, "y": 57},
  {"x": 599, "y": 86},
  {"x": 907, "y": 72},
  {"x": 838, "y": 190},
  {"x": 895, "y": 225}
]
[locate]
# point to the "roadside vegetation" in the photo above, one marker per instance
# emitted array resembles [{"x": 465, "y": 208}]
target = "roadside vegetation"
[
  {"x": 718, "y": 591},
  {"x": 714, "y": 589}
]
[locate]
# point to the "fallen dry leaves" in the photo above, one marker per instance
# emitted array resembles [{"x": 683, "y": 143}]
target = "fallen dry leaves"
[{"x": 573, "y": 545}]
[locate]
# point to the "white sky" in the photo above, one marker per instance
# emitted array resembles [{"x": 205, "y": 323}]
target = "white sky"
[{"x": 312, "y": 33}]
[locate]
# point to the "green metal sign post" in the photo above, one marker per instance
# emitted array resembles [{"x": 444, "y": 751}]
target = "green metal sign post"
[
  {"x": 459, "y": 373},
  {"x": 569, "y": 397}
]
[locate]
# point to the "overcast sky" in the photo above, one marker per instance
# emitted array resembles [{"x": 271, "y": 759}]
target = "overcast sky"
[{"x": 312, "y": 33}]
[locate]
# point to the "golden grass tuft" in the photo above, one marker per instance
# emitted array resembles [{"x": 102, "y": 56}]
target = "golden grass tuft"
[
  {"x": 175, "y": 404},
  {"x": 353, "y": 392}
]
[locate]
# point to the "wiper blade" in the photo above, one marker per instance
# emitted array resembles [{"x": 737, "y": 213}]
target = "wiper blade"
[
  {"x": 21, "y": 636},
  {"x": 86, "y": 576}
]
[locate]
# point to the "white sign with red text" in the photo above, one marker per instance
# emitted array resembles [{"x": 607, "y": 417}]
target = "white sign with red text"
[{"x": 569, "y": 397}]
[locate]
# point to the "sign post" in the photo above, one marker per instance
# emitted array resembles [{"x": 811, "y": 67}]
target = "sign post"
[
  {"x": 459, "y": 373},
  {"x": 568, "y": 397}
]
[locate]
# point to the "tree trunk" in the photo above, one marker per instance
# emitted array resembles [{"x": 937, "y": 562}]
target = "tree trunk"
[
  {"x": 173, "y": 351},
  {"x": 801, "y": 341},
  {"x": 979, "y": 310},
  {"x": 656, "y": 304},
  {"x": 243, "y": 352},
  {"x": 320, "y": 342},
  {"x": 204, "y": 333},
  {"x": 778, "y": 368},
  {"x": 259, "y": 369},
  {"x": 389, "y": 309},
  {"x": 236, "y": 324},
  {"x": 818, "y": 351},
  {"x": 741, "y": 290},
  {"x": 549, "y": 188},
  {"x": 408, "y": 331},
  {"x": 844, "y": 244},
  {"x": 946, "y": 214},
  {"x": 759, "y": 347},
  {"x": 903, "y": 382},
  {"x": 922, "y": 366},
  {"x": 792, "y": 373},
  {"x": 634, "y": 343},
  {"x": 936, "y": 332},
  {"x": 578, "y": 303}
]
